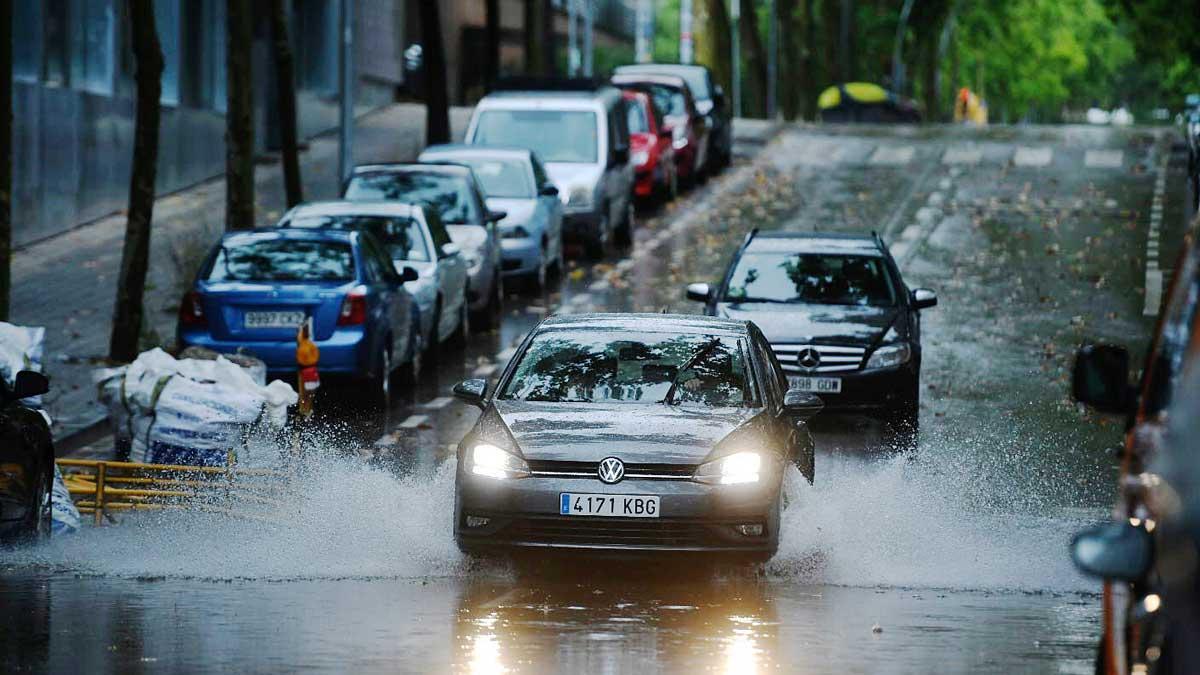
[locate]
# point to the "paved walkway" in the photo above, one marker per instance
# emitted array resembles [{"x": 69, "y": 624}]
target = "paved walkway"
[{"x": 67, "y": 283}]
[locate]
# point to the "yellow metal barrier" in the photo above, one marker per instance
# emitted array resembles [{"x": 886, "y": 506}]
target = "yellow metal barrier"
[{"x": 102, "y": 487}]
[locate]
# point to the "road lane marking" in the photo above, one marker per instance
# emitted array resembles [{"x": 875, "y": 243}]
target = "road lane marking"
[
  {"x": 1154, "y": 275},
  {"x": 891, "y": 155},
  {"x": 413, "y": 421},
  {"x": 598, "y": 286},
  {"x": 437, "y": 403},
  {"x": 962, "y": 155},
  {"x": 485, "y": 370},
  {"x": 1032, "y": 156},
  {"x": 1103, "y": 159}
]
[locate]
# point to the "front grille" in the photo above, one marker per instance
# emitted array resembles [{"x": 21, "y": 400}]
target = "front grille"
[
  {"x": 611, "y": 531},
  {"x": 833, "y": 358},
  {"x": 644, "y": 471}
]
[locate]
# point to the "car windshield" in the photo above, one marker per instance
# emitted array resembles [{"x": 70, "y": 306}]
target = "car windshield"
[
  {"x": 400, "y": 236},
  {"x": 668, "y": 99},
  {"x": 638, "y": 124},
  {"x": 279, "y": 259},
  {"x": 508, "y": 178},
  {"x": 808, "y": 278},
  {"x": 449, "y": 194},
  {"x": 696, "y": 79},
  {"x": 555, "y": 135},
  {"x": 617, "y": 366}
]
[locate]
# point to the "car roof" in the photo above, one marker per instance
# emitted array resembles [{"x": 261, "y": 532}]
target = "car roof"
[
  {"x": 664, "y": 79},
  {"x": 448, "y": 168},
  {"x": 344, "y": 207},
  {"x": 673, "y": 323},
  {"x": 659, "y": 68},
  {"x": 322, "y": 234},
  {"x": 465, "y": 149},
  {"x": 814, "y": 242}
]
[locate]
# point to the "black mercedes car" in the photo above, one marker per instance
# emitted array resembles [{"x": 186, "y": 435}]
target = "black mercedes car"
[
  {"x": 632, "y": 432},
  {"x": 26, "y": 460},
  {"x": 838, "y": 316}
]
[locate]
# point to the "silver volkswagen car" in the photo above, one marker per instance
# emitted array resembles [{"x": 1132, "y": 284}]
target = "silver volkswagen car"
[{"x": 632, "y": 432}]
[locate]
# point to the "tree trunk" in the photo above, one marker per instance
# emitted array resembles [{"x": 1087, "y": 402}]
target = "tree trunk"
[
  {"x": 239, "y": 120},
  {"x": 285, "y": 83},
  {"x": 791, "y": 71},
  {"x": 717, "y": 46},
  {"x": 135, "y": 255},
  {"x": 754, "y": 96},
  {"x": 492, "y": 31},
  {"x": 6, "y": 153},
  {"x": 809, "y": 80},
  {"x": 535, "y": 43},
  {"x": 437, "y": 110}
]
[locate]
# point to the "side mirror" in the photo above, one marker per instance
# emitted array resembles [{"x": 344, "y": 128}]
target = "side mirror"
[
  {"x": 801, "y": 405},
  {"x": 1114, "y": 552},
  {"x": 1100, "y": 378},
  {"x": 699, "y": 292},
  {"x": 548, "y": 190},
  {"x": 29, "y": 383},
  {"x": 450, "y": 248},
  {"x": 407, "y": 274},
  {"x": 496, "y": 216},
  {"x": 471, "y": 391},
  {"x": 923, "y": 298},
  {"x": 620, "y": 155}
]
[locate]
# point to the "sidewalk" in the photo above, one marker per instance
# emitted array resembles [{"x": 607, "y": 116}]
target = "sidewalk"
[{"x": 67, "y": 283}]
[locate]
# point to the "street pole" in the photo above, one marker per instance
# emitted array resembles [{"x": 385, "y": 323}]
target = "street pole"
[
  {"x": 645, "y": 32},
  {"x": 898, "y": 75},
  {"x": 686, "y": 47},
  {"x": 588, "y": 38},
  {"x": 735, "y": 16},
  {"x": 346, "y": 109},
  {"x": 772, "y": 59},
  {"x": 572, "y": 38}
]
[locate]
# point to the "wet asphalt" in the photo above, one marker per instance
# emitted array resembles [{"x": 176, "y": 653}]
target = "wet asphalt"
[{"x": 954, "y": 559}]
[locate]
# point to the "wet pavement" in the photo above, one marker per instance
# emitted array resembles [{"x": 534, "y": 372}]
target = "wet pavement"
[{"x": 954, "y": 559}]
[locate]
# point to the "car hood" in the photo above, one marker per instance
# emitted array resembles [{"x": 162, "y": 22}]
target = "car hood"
[
  {"x": 519, "y": 210},
  {"x": 470, "y": 238},
  {"x": 638, "y": 433},
  {"x": 569, "y": 174},
  {"x": 840, "y": 324}
]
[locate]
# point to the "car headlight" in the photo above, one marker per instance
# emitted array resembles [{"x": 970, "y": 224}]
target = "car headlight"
[
  {"x": 640, "y": 158},
  {"x": 678, "y": 136},
  {"x": 580, "y": 197},
  {"x": 514, "y": 232},
  {"x": 490, "y": 461},
  {"x": 740, "y": 467},
  {"x": 889, "y": 356}
]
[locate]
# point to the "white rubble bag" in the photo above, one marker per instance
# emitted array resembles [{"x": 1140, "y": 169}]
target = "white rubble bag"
[
  {"x": 193, "y": 411},
  {"x": 22, "y": 348}
]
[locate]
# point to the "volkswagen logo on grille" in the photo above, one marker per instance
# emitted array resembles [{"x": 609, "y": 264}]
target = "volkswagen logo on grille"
[
  {"x": 611, "y": 470},
  {"x": 808, "y": 358}
]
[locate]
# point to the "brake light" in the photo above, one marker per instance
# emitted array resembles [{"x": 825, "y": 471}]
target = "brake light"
[
  {"x": 354, "y": 309},
  {"x": 191, "y": 310}
]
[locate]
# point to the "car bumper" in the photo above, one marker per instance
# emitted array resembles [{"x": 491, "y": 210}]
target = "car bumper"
[
  {"x": 524, "y": 514},
  {"x": 871, "y": 391},
  {"x": 345, "y": 353},
  {"x": 520, "y": 257}
]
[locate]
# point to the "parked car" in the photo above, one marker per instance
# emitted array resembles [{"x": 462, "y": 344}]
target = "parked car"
[
  {"x": 1132, "y": 555},
  {"x": 579, "y": 129},
  {"x": 711, "y": 102},
  {"x": 653, "y": 150},
  {"x": 413, "y": 236},
  {"x": 256, "y": 288},
  {"x": 837, "y": 314},
  {"x": 689, "y": 129},
  {"x": 515, "y": 183},
  {"x": 26, "y": 460},
  {"x": 698, "y": 427},
  {"x": 456, "y": 193}
]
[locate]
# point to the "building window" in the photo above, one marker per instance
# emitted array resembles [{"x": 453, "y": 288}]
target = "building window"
[
  {"x": 92, "y": 42},
  {"x": 27, "y": 49},
  {"x": 166, "y": 19}
]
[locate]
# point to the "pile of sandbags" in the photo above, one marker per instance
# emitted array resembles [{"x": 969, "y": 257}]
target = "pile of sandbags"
[{"x": 195, "y": 411}]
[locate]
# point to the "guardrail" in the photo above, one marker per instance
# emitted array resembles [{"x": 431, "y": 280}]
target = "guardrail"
[{"x": 102, "y": 488}]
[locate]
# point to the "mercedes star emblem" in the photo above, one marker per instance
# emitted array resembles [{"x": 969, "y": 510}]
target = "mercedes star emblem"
[{"x": 808, "y": 358}]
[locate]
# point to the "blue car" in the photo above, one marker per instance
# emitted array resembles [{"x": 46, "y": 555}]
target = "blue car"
[{"x": 256, "y": 288}]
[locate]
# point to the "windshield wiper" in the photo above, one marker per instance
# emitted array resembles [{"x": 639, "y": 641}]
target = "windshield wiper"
[{"x": 700, "y": 353}]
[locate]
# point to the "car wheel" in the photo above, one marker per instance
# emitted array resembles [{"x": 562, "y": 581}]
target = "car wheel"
[
  {"x": 542, "y": 275},
  {"x": 462, "y": 332},
  {"x": 672, "y": 187},
  {"x": 433, "y": 345},
  {"x": 380, "y": 393},
  {"x": 38, "y": 524}
]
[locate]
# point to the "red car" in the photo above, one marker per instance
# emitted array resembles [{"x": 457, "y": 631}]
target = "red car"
[
  {"x": 650, "y": 149},
  {"x": 689, "y": 129}
]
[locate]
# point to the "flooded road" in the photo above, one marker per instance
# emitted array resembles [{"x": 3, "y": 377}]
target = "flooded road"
[{"x": 954, "y": 559}]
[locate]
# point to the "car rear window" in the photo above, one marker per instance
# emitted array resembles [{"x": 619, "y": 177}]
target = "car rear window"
[
  {"x": 449, "y": 194},
  {"x": 505, "y": 178},
  {"x": 555, "y": 135},
  {"x": 811, "y": 278},
  {"x": 280, "y": 259},
  {"x": 638, "y": 124},
  {"x": 618, "y": 366},
  {"x": 401, "y": 237}
]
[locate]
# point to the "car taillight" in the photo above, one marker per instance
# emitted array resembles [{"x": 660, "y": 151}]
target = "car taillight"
[
  {"x": 191, "y": 310},
  {"x": 354, "y": 309}
]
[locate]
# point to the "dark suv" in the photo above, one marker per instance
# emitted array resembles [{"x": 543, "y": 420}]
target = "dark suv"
[{"x": 838, "y": 316}]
